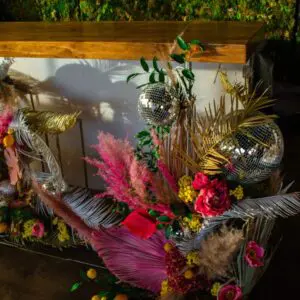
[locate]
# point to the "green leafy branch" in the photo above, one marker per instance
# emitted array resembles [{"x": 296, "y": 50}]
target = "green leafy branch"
[
  {"x": 184, "y": 72},
  {"x": 145, "y": 149}
]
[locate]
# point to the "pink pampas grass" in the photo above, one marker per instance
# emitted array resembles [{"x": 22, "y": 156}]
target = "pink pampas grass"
[
  {"x": 167, "y": 175},
  {"x": 128, "y": 180}
]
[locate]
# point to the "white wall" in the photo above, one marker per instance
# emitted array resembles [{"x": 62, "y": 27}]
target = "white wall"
[{"x": 98, "y": 88}]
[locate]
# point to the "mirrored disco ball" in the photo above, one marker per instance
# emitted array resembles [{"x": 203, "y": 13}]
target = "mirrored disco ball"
[
  {"x": 253, "y": 159},
  {"x": 158, "y": 105}
]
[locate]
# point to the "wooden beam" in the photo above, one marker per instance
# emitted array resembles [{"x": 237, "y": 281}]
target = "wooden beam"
[{"x": 228, "y": 42}]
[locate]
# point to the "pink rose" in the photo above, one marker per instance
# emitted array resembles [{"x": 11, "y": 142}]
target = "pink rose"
[
  {"x": 38, "y": 229},
  {"x": 213, "y": 200},
  {"x": 140, "y": 223},
  {"x": 230, "y": 292},
  {"x": 254, "y": 254},
  {"x": 200, "y": 181}
]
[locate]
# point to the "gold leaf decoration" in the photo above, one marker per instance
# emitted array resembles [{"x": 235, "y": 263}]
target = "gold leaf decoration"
[
  {"x": 217, "y": 124},
  {"x": 49, "y": 122}
]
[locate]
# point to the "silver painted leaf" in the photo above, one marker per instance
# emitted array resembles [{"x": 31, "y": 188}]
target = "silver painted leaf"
[
  {"x": 37, "y": 149},
  {"x": 268, "y": 207},
  {"x": 260, "y": 232},
  {"x": 94, "y": 211}
]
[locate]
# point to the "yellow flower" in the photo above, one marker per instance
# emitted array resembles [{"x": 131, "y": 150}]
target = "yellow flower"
[
  {"x": 215, "y": 289},
  {"x": 185, "y": 180},
  {"x": 55, "y": 221},
  {"x": 27, "y": 228},
  {"x": 63, "y": 233},
  {"x": 8, "y": 141},
  {"x": 168, "y": 247},
  {"x": 91, "y": 273},
  {"x": 165, "y": 289},
  {"x": 188, "y": 274},
  {"x": 96, "y": 297},
  {"x": 238, "y": 192},
  {"x": 186, "y": 192},
  {"x": 193, "y": 224},
  {"x": 193, "y": 258}
]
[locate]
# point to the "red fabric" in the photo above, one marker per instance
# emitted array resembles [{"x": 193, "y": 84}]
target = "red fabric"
[{"x": 140, "y": 223}]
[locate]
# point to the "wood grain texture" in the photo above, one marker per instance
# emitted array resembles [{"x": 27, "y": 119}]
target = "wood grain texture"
[{"x": 228, "y": 42}]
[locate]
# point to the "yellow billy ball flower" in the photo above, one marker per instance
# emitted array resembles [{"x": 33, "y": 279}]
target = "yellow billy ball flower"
[
  {"x": 189, "y": 274},
  {"x": 8, "y": 141},
  {"x": 168, "y": 247},
  {"x": 91, "y": 273},
  {"x": 96, "y": 297}
]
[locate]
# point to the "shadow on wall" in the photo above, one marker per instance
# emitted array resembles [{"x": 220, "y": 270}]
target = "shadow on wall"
[{"x": 107, "y": 103}]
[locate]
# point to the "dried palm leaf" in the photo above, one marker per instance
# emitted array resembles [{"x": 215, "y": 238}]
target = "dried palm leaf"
[
  {"x": 258, "y": 230},
  {"x": 49, "y": 122},
  {"x": 37, "y": 148},
  {"x": 218, "y": 124},
  {"x": 267, "y": 207},
  {"x": 94, "y": 211}
]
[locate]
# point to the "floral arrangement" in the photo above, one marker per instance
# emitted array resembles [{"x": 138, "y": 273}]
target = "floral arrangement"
[
  {"x": 21, "y": 221},
  {"x": 188, "y": 212},
  {"x": 24, "y": 220}
]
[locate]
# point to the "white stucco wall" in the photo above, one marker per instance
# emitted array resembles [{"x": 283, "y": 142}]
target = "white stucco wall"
[{"x": 98, "y": 88}]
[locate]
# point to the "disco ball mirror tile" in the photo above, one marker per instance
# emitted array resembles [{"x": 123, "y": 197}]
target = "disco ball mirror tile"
[
  {"x": 253, "y": 155},
  {"x": 158, "y": 105}
]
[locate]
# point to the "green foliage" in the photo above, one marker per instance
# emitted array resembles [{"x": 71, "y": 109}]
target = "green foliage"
[
  {"x": 277, "y": 14},
  {"x": 58, "y": 10},
  {"x": 109, "y": 286},
  {"x": 146, "y": 150}
]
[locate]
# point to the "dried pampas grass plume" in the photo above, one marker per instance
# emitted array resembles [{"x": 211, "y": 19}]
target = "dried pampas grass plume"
[{"x": 217, "y": 251}]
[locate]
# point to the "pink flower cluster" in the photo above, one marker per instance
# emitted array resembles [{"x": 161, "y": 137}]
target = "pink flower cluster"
[
  {"x": 230, "y": 292},
  {"x": 38, "y": 230},
  {"x": 254, "y": 254},
  {"x": 5, "y": 119},
  {"x": 213, "y": 198}
]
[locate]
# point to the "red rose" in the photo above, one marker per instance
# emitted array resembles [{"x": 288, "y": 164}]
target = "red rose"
[
  {"x": 200, "y": 181},
  {"x": 140, "y": 223},
  {"x": 213, "y": 200}
]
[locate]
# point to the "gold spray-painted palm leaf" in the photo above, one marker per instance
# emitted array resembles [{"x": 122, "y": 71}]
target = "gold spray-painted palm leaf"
[
  {"x": 218, "y": 124},
  {"x": 49, "y": 122}
]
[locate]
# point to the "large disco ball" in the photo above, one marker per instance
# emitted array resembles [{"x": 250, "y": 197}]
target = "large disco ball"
[
  {"x": 253, "y": 155},
  {"x": 158, "y": 105}
]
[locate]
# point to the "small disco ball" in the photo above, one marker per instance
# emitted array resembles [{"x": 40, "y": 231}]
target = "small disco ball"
[
  {"x": 253, "y": 159},
  {"x": 158, "y": 105}
]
